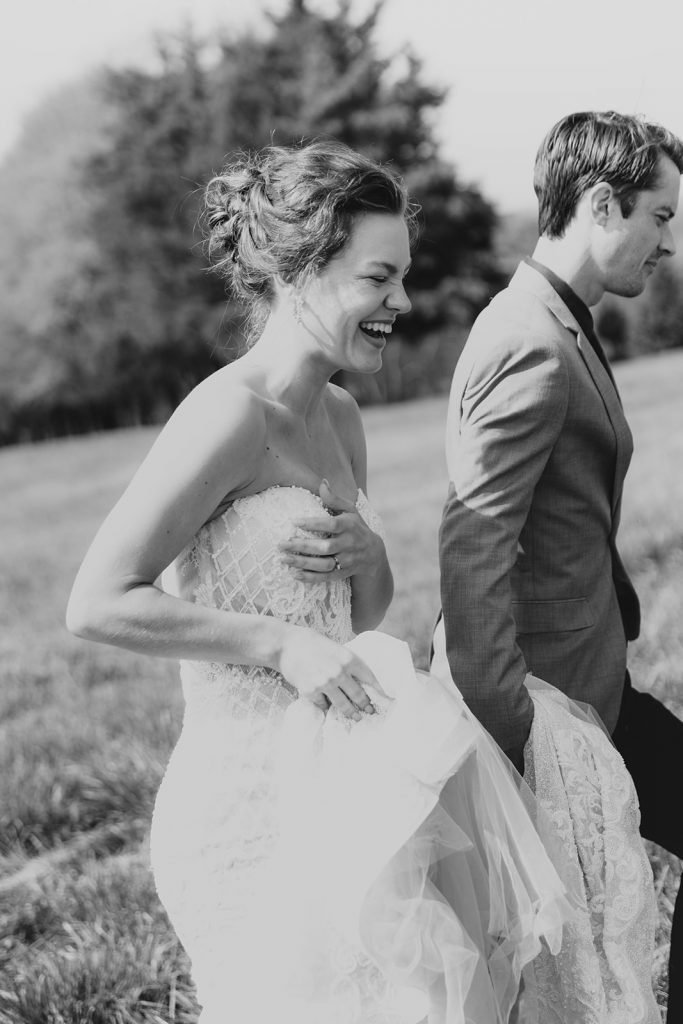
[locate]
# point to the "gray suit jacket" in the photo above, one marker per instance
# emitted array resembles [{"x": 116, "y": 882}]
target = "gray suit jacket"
[{"x": 531, "y": 581}]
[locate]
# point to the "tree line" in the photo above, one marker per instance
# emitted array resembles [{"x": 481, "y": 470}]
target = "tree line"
[
  {"x": 108, "y": 315},
  {"x": 127, "y": 319}
]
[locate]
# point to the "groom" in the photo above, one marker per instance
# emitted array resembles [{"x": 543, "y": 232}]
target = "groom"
[{"x": 538, "y": 447}]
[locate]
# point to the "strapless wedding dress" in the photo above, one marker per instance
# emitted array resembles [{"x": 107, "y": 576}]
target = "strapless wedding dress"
[{"x": 320, "y": 871}]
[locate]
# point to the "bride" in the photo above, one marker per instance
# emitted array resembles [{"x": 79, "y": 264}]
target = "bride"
[{"x": 336, "y": 840}]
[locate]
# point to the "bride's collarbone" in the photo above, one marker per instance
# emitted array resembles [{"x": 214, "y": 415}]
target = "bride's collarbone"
[
  {"x": 300, "y": 455},
  {"x": 284, "y": 470}
]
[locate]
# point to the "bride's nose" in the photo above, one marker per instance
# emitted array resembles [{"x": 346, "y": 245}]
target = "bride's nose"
[{"x": 398, "y": 300}]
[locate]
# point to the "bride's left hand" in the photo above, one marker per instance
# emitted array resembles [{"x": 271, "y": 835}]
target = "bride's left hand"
[{"x": 346, "y": 546}]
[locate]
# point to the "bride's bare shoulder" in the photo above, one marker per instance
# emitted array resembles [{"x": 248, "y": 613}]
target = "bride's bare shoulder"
[
  {"x": 226, "y": 400},
  {"x": 220, "y": 428}
]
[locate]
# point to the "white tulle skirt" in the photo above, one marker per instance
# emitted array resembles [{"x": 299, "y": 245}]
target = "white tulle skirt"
[
  {"x": 396, "y": 870},
  {"x": 408, "y": 882}
]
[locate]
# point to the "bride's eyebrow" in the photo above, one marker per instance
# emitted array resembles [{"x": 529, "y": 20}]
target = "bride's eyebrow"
[{"x": 388, "y": 268}]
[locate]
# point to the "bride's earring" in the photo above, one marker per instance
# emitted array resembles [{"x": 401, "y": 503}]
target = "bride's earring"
[{"x": 298, "y": 308}]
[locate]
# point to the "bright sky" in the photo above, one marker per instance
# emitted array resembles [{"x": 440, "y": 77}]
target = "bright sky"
[{"x": 513, "y": 67}]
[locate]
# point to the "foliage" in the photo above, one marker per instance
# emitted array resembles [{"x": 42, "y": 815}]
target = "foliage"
[
  {"x": 137, "y": 320},
  {"x": 651, "y": 322},
  {"x": 516, "y": 236},
  {"x": 43, "y": 246},
  {"x": 660, "y": 324},
  {"x": 612, "y": 328}
]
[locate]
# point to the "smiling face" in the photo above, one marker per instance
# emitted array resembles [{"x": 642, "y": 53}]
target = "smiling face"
[
  {"x": 631, "y": 247},
  {"x": 350, "y": 306}
]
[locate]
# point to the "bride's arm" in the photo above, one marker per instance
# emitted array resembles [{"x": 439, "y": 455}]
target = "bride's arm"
[
  {"x": 206, "y": 451},
  {"x": 210, "y": 447}
]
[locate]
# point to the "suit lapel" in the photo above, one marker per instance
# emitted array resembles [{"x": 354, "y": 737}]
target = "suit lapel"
[
  {"x": 613, "y": 408},
  {"x": 530, "y": 280}
]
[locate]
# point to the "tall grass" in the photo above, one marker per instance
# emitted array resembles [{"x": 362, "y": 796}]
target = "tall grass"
[{"x": 86, "y": 731}]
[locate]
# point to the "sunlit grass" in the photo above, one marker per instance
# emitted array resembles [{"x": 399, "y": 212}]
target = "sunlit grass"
[
  {"x": 85, "y": 731},
  {"x": 91, "y": 945}
]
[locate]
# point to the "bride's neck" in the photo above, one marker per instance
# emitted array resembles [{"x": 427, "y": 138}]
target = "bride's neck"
[{"x": 294, "y": 372}]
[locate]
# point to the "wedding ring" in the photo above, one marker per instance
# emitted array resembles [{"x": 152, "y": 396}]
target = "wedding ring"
[{"x": 337, "y": 563}]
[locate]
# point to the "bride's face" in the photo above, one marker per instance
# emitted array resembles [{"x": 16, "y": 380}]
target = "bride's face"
[{"x": 351, "y": 305}]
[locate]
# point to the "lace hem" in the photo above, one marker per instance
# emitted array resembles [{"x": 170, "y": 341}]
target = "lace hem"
[{"x": 602, "y": 974}]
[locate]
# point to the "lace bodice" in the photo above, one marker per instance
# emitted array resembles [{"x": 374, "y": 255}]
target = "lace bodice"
[{"x": 234, "y": 563}]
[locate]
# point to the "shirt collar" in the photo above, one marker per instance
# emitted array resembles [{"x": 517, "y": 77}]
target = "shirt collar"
[{"x": 576, "y": 306}]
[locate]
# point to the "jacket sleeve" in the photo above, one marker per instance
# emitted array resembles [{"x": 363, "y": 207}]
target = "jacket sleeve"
[{"x": 511, "y": 408}]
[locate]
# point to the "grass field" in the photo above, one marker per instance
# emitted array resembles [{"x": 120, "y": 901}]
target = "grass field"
[{"x": 85, "y": 731}]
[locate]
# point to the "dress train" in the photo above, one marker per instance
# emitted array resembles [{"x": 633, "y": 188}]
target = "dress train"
[{"x": 408, "y": 882}]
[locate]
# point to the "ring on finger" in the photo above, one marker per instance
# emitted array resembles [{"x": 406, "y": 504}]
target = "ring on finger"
[{"x": 337, "y": 563}]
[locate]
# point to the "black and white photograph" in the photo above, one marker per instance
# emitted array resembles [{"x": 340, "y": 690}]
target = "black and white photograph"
[{"x": 341, "y": 543}]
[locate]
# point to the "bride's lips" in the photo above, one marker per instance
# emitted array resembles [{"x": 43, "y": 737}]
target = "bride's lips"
[{"x": 376, "y": 331}]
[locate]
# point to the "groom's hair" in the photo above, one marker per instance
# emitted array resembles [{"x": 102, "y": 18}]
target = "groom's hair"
[{"x": 585, "y": 148}]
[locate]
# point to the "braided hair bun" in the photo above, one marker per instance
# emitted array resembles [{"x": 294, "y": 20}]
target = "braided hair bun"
[{"x": 285, "y": 211}]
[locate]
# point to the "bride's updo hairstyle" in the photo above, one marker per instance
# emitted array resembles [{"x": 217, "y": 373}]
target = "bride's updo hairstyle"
[{"x": 285, "y": 212}]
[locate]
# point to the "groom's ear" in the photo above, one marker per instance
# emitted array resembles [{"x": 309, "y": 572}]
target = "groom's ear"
[{"x": 602, "y": 203}]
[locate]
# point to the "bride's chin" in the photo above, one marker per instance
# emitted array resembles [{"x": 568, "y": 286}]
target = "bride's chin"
[
  {"x": 370, "y": 370},
  {"x": 372, "y": 361}
]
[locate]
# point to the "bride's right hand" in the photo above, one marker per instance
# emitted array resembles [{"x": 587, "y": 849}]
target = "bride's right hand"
[{"x": 326, "y": 673}]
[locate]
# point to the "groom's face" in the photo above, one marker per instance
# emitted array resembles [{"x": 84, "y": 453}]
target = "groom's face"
[{"x": 634, "y": 244}]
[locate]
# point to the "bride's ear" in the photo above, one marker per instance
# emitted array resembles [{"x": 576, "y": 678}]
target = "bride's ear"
[
  {"x": 283, "y": 289},
  {"x": 291, "y": 294}
]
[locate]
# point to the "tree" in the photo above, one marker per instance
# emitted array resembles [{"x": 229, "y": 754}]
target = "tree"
[
  {"x": 142, "y": 320},
  {"x": 44, "y": 246},
  {"x": 660, "y": 321},
  {"x": 612, "y": 329}
]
